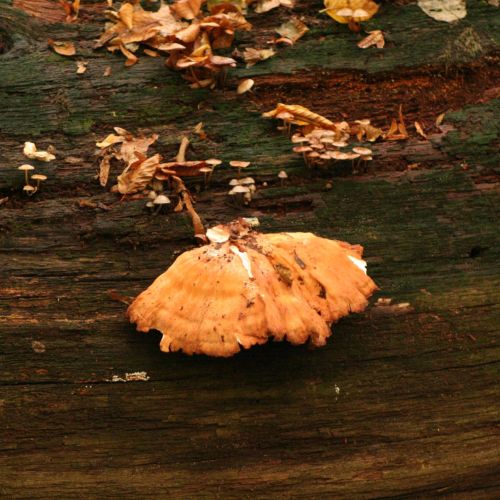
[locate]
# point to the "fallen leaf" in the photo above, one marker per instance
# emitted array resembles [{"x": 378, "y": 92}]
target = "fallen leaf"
[
  {"x": 266, "y": 5},
  {"x": 62, "y": 48},
  {"x": 31, "y": 152},
  {"x": 135, "y": 178},
  {"x": 81, "y": 67},
  {"x": 440, "y": 119},
  {"x": 4, "y": 200},
  {"x": 444, "y": 10},
  {"x": 252, "y": 56},
  {"x": 293, "y": 29},
  {"x": 107, "y": 71},
  {"x": 188, "y": 9},
  {"x": 349, "y": 11},
  {"x": 104, "y": 168},
  {"x": 420, "y": 130},
  {"x": 374, "y": 38}
]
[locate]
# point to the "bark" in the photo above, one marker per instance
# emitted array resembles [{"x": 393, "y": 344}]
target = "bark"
[{"x": 402, "y": 401}]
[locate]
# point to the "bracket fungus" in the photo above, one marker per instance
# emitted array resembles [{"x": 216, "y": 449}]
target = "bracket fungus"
[{"x": 244, "y": 288}]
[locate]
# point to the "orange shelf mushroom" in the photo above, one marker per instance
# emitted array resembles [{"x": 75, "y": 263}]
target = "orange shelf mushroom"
[{"x": 244, "y": 288}]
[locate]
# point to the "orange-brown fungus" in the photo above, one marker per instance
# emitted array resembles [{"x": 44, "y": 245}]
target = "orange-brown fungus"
[{"x": 244, "y": 288}]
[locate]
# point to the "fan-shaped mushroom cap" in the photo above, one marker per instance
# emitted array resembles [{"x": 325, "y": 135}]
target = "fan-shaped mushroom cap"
[{"x": 242, "y": 289}]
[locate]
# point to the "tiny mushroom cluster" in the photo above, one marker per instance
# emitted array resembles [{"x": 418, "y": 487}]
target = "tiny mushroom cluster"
[
  {"x": 319, "y": 147},
  {"x": 242, "y": 189},
  {"x": 321, "y": 141},
  {"x": 38, "y": 178}
]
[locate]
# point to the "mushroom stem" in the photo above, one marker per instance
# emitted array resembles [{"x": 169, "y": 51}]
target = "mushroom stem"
[
  {"x": 26, "y": 180},
  {"x": 181, "y": 190},
  {"x": 181, "y": 155}
]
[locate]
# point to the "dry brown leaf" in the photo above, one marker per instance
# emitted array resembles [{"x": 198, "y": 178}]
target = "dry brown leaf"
[
  {"x": 107, "y": 71},
  {"x": 440, "y": 119},
  {"x": 262, "y": 6},
  {"x": 62, "y": 48},
  {"x": 397, "y": 131},
  {"x": 81, "y": 67},
  {"x": 374, "y": 38},
  {"x": 188, "y": 9},
  {"x": 252, "y": 56},
  {"x": 135, "y": 178},
  {"x": 349, "y": 11},
  {"x": 104, "y": 168},
  {"x": 30, "y": 151},
  {"x": 293, "y": 29},
  {"x": 131, "y": 58},
  {"x": 299, "y": 115},
  {"x": 420, "y": 130}
]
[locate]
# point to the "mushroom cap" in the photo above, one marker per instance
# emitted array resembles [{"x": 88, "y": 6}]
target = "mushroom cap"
[
  {"x": 152, "y": 195},
  {"x": 246, "y": 181},
  {"x": 339, "y": 144},
  {"x": 26, "y": 167},
  {"x": 362, "y": 151},
  {"x": 302, "y": 149},
  {"x": 244, "y": 290},
  {"x": 239, "y": 164},
  {"x": 161, "y": 199},
  {"x": 39, "y": 177},
  {"x": 234, "y": 182},
  {"x": 239, "y": 189},
  {"x": 245, "y": 86},
  {"x": 150, "y": 204},
  {"x": 213, "y": 161},
  {"x": 283, "y": 175},
  {"x": 28, "y": 188},
  {"x": 205, "y": 170},
  {"x": 337, "y": 155}
]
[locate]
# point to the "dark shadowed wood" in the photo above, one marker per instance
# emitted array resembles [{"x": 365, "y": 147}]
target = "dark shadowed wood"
[{"x": 403, "y": 401}]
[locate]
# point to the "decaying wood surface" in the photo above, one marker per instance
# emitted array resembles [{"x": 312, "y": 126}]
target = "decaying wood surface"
[{"x": 404, "y": 398}]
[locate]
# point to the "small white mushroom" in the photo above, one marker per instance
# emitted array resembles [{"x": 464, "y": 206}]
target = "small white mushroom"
[
  {"x": 152, "y": 195},
  {"x": 282, "y": 176},
  {"x": 160, "y": 201},
  {"x": 246, "y": 181}
]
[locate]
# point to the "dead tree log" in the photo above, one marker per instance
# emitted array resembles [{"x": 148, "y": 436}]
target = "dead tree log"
[{"x": 402, "y": 401}]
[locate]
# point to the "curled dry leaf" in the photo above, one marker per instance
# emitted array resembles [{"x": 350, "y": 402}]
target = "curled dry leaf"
[
  {"x": 244, "y": 288},
  {"x": 262, "y": 6},
  {"x": 252, "y": 56},
  {"x": 31, "y": 152},
  {"x": 81, "y": 67},
  {"x": 299, "y": 115},
  {"x": 104, "y": 168},
  {"x": 351, "y": 11},
  {"x": 293, "y": 29},
  {"x": 62, "y": 48},
  {"x": 420, "y": 130},
  {"x": 440, "y": 119},
  {"x": 138, "y": 175},
  {"x": 444, "y": 10},
  {"x": 397, "y": 131},
  {"x": 375, "y": 38}
]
